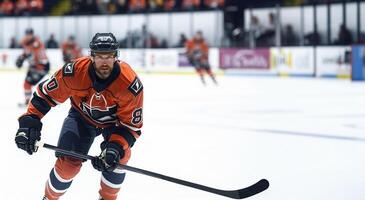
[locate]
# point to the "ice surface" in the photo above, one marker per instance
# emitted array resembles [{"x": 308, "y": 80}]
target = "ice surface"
[{"x": 306, "y": 136}]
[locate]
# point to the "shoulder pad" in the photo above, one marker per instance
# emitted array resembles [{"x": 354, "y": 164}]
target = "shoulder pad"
[{"x": 68, "y": 69}]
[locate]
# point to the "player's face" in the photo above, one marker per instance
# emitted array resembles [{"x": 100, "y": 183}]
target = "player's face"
[
  {"x": 103, "y": 63},
  {"x": 198, "y": 36},
  {"x": 28, "y": 37}
]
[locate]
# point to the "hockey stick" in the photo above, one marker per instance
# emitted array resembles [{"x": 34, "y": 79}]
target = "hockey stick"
[{"x": 254, "y": 189}]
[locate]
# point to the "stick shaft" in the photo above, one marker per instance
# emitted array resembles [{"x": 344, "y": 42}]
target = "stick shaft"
[{"x": 235, "y": 194}]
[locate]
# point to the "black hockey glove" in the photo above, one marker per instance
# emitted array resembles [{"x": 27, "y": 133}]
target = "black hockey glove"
[
  {"x": 109, "y": 158},
  {"x": 19, "y": 61},
  {"x": 28, "y": 133}
]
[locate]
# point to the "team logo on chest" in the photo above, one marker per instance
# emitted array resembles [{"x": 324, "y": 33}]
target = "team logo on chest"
[{"x": 98, "y": 110}]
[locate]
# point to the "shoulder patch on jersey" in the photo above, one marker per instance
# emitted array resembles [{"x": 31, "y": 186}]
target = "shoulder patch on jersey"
[
  {"x": 68, "y": 69},
  {"x": 52, "y": 84},
  {"x": 136, "y": 87}
]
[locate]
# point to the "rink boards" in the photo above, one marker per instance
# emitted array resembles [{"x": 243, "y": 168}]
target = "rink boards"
[{"x": 331, "y": 61}]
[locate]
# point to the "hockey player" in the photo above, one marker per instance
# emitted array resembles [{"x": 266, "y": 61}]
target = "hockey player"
[
  {"x": 35, "y": 53},
  {"x": 106, "y": 99},
  {"x": 70, "y": 50},
  {"x": 197, "y": 53}
]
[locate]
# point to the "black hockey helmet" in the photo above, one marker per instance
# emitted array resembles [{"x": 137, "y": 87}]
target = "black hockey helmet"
[
  {"x": 29, "y": 31},
  {"x": 104, "y": 42}
]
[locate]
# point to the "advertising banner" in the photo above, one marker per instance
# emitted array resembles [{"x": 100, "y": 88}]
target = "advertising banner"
[
  {"x": 333, "y": 61},
  {"x": 231, "y": 58},
  {"x": 161, "y": 59},
  {"x": 293, "y": 60},
  {"x": 183, "y": 59},
  {"x": 8, "y": 57},
  {"x": 134, "y": 57}
]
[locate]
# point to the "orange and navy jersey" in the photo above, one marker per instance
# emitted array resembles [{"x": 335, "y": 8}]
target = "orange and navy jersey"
[
  {"x": 71, "y": 50},
  {"x": 114, "y": 102},
  {"x": 197, "y": 49},
  {"x": 34, "y": 51}
]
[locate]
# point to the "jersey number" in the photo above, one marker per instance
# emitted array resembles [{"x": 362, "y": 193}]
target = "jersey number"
[{"x": 137, "y": 116}]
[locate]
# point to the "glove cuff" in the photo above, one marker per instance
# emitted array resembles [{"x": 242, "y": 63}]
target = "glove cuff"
[
  {"x": 117, "y": 147},
  {"x": 30, "y": 121}
]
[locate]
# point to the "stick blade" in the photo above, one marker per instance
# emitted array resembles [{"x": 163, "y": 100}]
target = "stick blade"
[{"x": 254, "y": 189}]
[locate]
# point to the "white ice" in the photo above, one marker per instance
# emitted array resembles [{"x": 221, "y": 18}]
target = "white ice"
[{"x": 305, "y": 135}]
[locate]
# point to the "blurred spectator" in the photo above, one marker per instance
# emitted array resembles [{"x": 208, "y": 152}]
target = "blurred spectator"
[
  {"x": 79, "y": 7},
  {"x": 190, "y": 4},
  {"x": 312, "y": 38},
  {"x": 289, "y": 37},
  {"x": 256, "y": 28},
  {"x": 268, "y": 36},
  {"x": 344, "y": 36},
  {"x": 145, "y": 37},
  {"x": 6, "y": 7},
  {"x": 152, "y": 41},
  {"x": 52, "y": 43},
  {"x": 169, "y": 5},
  {"x": 36, "y": 7},
  {"x": 163, "y": 43},
  {"x": 13, "y": 43},
  {"x": 21, "y": 7},
  {"x": 182, "y": 40},
  {"x": 293, "y": 2},
  {"x": 214, "y": 3},
  {"x": 137, "y": 5},
  {"x": 122, "y": 6},
  {"x": 123, "y": 42},
  {"x": 112, "y": 8},
  {"x": 155, "y": 5},
  {"x": 102, "y": 6}
]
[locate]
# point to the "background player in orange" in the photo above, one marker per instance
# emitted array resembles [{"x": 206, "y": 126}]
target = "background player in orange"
[
  {"x": 70, "y": 50},
  {"x": 197, "y": 53},
  {"x": 35, "y": 53},
  {"x": 106, "y": 99}
]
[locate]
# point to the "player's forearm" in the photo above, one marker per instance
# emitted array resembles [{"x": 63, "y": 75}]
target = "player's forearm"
[{"x": 38, "y": 106}]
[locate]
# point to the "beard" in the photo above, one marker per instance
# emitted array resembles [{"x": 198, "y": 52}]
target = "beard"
[{"x": 104, "y": 71}]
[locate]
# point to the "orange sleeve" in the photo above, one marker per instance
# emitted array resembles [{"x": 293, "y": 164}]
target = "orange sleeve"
[
  {"x": 49, "y": 93},
  {"x": 189, "y": 46},
  {"x": 205, "y": 49},
  {"x": 130, "y": 113},
  {"x": 130, "y": 116},
  {"x": 130, "y": 109}
]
